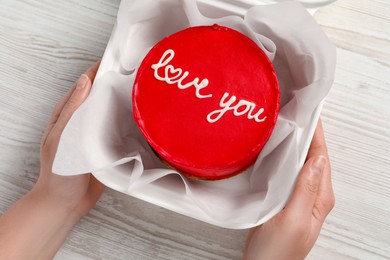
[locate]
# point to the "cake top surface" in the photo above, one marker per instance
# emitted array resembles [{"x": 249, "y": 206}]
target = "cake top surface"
[{"x": 206, "y": 99}]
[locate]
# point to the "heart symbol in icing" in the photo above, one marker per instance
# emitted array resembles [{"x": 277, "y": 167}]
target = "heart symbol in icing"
[{"x": 172, "y": 73}]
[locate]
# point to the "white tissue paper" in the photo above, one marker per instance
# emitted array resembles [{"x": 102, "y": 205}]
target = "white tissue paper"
[{"x": 102, "y": 137}]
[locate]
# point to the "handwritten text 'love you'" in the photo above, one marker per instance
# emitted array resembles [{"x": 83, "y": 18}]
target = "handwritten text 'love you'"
[{"x": 172, "y": 75}]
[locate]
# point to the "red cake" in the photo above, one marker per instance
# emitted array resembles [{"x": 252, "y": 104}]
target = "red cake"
[{"x": 206, "y": 99}]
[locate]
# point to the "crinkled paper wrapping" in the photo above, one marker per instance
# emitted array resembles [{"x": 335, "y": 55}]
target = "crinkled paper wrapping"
[{"x": 103, "y": 138}]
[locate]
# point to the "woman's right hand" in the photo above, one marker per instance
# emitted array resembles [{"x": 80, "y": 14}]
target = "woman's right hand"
[{"x": 291, "y": 234}]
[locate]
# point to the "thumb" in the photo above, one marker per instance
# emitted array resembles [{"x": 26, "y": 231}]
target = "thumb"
[
  {"x": 306, "y": 189},
  {"x": 78, "y": 96}
]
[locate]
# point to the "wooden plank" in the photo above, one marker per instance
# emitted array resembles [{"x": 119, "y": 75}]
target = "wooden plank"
[{"x": 45, "y": 45}]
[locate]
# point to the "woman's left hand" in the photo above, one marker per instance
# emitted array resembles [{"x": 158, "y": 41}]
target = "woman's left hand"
[
  {"x": 79, "y": 192},
  {"x": 36, "y": 225}
]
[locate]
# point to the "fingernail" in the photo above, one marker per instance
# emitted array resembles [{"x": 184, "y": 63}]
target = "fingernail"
[
  {"x": 82, "y": 81},
  {"x": 318, "y": 165}
]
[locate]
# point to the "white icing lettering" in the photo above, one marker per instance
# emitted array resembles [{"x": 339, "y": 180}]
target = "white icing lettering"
[
  {"x": 241, "y": 108},
  {"x": 174, "y": 75},
  {"x": 225, "y": 107}
]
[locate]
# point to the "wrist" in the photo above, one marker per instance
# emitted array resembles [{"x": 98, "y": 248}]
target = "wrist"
[
  {"x": 52, "y": 204},
  {"x": 35, "y": 226}
]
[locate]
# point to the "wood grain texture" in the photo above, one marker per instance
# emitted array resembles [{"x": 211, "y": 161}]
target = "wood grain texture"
[
  {"x": 45, "y": 45},
  {"x": 356, "y": 118}
]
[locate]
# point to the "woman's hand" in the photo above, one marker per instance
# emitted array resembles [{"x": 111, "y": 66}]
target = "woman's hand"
[
  {"x": 36, "y": 225},
  {"x": 291, "y": 234},
  {"x": 80, "y": 192}
]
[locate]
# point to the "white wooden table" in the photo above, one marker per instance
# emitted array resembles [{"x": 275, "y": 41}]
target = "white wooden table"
[{"x": 45, "y": 45}]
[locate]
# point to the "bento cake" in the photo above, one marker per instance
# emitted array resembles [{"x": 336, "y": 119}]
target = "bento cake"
[{"x": 206, "y": 99}]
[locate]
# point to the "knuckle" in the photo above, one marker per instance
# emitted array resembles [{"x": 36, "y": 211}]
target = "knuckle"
[
  {"x": 330, "y": 202},
  {"x": 300, "y": 229},
  {"x": 73, "y": 103},
  {"x": 45, "y": 151},
  {"x": 296, "y": 224},
  {"x": 311, "y": 187},
  {"x": 45, "y": 146},
  {"x": 323, "y": 207}
]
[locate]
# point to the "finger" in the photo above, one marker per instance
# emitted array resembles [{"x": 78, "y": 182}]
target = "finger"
[
  {"x": 91, "y": 73},
  {"x": 324, "y": 203},
  {"x": 56, "y": 113},
  {"x": 303, "y": 198},
  {"x": 78, "y": 96},
  {"x": 325, "y": 199},
  {"x": 318, "y": 143},
  {"x": 307, "y": 186},
  {"x": 58, "y": 108},
  {"x": 80, "y": 93}
]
